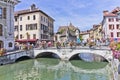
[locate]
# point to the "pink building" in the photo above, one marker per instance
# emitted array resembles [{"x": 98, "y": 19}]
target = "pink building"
[{"x": 111, "y": 24}]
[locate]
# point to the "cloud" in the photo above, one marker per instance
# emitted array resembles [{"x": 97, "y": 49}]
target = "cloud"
[{"x": 82, "y": 13}]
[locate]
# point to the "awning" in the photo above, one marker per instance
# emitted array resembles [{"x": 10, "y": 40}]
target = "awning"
[{"x": 26, "y": 40}]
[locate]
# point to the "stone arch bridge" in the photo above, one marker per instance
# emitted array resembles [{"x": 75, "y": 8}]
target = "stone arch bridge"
[
  {"x": 63, "y": 54},
  {"x": 67, "y": 53}
]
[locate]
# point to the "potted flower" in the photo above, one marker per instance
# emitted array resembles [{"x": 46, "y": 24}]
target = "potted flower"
[{"x": 115, "y": 47}]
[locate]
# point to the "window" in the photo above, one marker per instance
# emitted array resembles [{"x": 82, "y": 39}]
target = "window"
[
  {"x": 26, "y": 27},
  {"x": 118, "y": 34},
  {"x": 118, "y": 26},
  {"x": 0, "y": 13},
  {"x": 10, "y": 44},
  {"x": 34, "y": 36},
  {"x": 20, "y": 18},
  {"x": 20, "y": 27},
  {"x": 41, "y": 18},
  {"x": 34, "y": 17},
  {"x": 111, "y": 34},
  {"x": 111, "y": 26},
  {"x": 28, "y": 17},
  {"x": 31, "y": 26},
  {"x": 21, "y": 36},
  {"x": 117, "y": 19},
  {"x": 16, "y": 28},
  {"x": 4, "y": 13},
  {"x": 111, "y": 19},
  {"x": 44, "y": 19},
  {"x": 1, "y": 30},
  {"x": 16, "y": 19}
]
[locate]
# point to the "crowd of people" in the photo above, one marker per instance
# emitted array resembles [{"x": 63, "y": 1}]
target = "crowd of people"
[{"x": 72, "y": 44}]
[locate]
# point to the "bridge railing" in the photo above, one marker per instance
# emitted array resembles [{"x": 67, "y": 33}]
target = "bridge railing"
[
  {"x": 80, "y": 47},
  {"x": 10, "y": 57}
]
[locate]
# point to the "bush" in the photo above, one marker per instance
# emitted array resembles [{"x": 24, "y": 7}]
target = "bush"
[{"x": 118, "y": 46}]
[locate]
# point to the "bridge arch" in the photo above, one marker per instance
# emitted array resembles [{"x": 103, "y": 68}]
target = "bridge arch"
[
  {"x": 93, "y": 56},
  {"x": 55, "y": 53},
  {"x": 22, "y": 58},
  {"x": 47, "y": 54},
  {"x": 106, "y": 54}
]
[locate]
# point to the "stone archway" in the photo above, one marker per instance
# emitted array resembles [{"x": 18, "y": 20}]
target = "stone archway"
[{"x": 1, "y": 44}]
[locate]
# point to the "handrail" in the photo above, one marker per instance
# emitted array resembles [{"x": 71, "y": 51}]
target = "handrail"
[{"x": 73, "y": 48}]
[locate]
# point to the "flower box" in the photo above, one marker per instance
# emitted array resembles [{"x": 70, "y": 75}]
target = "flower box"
[{"x": 116, "y": 54}]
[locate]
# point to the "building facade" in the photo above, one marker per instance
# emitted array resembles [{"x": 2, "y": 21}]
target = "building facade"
[
  {"x": 7, "y": 23},
  {"x": 111, "y": 25},
  {"x": 67, "y": 33},
  {"x": 85, "y": 35},
  {"x": 32, "y": 25},
  {"x": 97, "y": 31}
]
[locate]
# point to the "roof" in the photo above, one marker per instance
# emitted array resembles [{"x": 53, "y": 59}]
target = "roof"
[
  {"x": 27, "y": 11},
  {"x": 85, "y": 32},
  {"x": 113, "y": 13},
  {"x": 117, "y": 9},
  {"x": 67, "y": 29},
  {"x": 110, "y": 15}
]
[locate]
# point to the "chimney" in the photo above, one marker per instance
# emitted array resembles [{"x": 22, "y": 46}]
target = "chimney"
[
  {"x": 33, "y": 6},
  {"x": 105, "y": 12}
]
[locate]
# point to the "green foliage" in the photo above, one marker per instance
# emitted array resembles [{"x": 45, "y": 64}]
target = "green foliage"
[
  {"x": 61, "y": 31},
  {"x": 80, "y": 36},
  {"x": 118, "y": 46}
]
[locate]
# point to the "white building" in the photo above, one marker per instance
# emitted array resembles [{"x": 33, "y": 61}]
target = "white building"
[
  {"x": 32, "y": 25},
  {"x": 7, "y": 23},
  {"x": 67, "y": 33},
  {"x": 85, "y": 35},
  {"x": 111, "y": 25}
]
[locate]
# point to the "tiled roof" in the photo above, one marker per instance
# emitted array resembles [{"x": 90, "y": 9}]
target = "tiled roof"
[
  {"x": 84, "y": 32},
  {"x": 110, "y": 14},
  {"x": 116, "y": 10},
  {"x": 26, "y": 11}
]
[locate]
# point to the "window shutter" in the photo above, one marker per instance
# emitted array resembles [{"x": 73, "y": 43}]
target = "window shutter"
[{"x": 4, "y": 13}]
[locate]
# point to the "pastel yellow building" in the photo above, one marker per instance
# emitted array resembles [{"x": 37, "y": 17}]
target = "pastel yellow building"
[
  {"x": 97, "y": 31},
  {"x": 32, "y": 25}
]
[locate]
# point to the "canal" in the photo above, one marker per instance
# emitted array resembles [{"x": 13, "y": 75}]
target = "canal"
[{"x": 54, "y": 69}]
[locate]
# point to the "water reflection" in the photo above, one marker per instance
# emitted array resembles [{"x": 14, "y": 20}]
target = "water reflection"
[
  {"x": 52, "y": 69},
  {"x": 89, "y": 57}
]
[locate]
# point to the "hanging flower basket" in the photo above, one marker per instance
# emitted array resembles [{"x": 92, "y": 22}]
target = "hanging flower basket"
[
  {"x": 115, "y": 47},
  {"x": 116, "y": 54}
]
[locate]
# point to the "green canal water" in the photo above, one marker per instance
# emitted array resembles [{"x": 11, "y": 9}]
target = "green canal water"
[{"x": 54, "y": 69}]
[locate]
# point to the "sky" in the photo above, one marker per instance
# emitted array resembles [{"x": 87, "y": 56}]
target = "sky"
[{"x": 81, "y": 13}]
